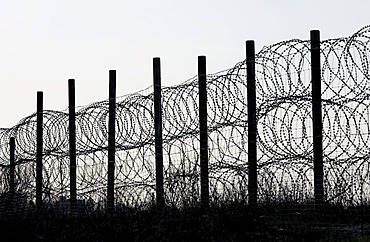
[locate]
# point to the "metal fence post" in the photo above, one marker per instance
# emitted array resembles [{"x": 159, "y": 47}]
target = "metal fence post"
[
  {"x": 317, "y": 117},
  {"x": 158, "y": 131},
  {"x": 39, "y": 149},
  {"x": 204, "y": 179},
  {"x": 252, "y": 123},
  {"x": 72, "y": 143},
  {"x": 111, "y": 140},
  {"x": 12, "y": 174}
]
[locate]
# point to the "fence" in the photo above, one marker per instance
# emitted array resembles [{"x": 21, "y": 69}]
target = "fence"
[{"x": 290, "y": 123}]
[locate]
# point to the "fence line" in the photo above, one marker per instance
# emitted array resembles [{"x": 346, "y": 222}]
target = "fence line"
[{"x": 302, "y": 145}]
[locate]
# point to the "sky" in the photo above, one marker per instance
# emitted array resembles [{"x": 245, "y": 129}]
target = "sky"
[{"x": 43, "y": 43}]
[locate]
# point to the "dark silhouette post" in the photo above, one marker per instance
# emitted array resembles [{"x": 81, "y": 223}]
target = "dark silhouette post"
[
  {"x": 158, "y": 131},
  {"x": 111, "y": 140},
  {"x": 317, "y": 117},
  {"x": 252, "y": 124},
  {"x": 204, "y": 180},
  {"x": 39, "y": 148},
  {"x": 12, "y": 174},
  {"x": 72, "y": 143}
]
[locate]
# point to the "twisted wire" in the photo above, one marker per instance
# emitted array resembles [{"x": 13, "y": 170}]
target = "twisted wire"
[{"x": 284, "y": 124}]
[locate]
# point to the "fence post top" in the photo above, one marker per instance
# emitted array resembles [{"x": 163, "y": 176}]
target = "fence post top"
[{"x": 315, "y": 34}]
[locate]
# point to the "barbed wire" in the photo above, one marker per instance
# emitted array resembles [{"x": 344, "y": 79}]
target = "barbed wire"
[{"x": 284, "y": 123}]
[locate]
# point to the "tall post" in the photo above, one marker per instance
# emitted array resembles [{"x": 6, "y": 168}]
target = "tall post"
[
  {"x": 204, "y": 180},
  {"x": 39, "y": 148},
  {"x": 158, "y": 131},
  {"x": 317, "y": 117},
  {"x": 252, "y": 123},
  {"x": 72, "y": 143},
  {"x": 12, "y": 174},
  {"x": 111, "y": 140}
]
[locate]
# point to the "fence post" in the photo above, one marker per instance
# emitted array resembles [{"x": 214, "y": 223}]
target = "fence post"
[
  {"x": 72, "y": 144},
  {"x": 12, "y": 174},
  {"x": 204, "y": 180},
  {"x": 111, "y": 140},
  {"x": 158, "y": 131},
  {"x": 317, "y": 117},
  {"x": 39, "y": 149},
  {"x": 252, "y": 123}
]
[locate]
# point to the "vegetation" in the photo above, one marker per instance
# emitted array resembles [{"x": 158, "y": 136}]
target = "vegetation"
[{"x": 224, "y": 222}]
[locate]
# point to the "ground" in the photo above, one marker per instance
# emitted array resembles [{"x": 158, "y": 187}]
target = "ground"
[{"x": 228, "y": 222}]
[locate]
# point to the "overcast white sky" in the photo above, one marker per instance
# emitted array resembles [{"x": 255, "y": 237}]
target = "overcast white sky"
[{"x": 43, "y": 43}]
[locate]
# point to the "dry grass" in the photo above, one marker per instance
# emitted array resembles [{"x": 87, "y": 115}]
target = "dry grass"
[{"x": 225, "y": 222}]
